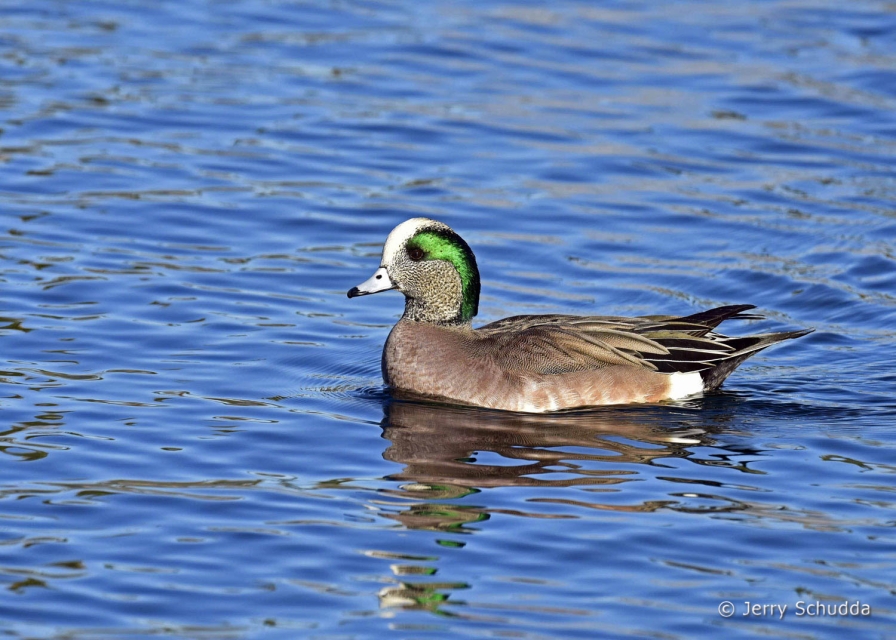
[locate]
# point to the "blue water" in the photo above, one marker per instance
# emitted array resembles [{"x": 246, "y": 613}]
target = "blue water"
[{"x": 196, "y": 438}]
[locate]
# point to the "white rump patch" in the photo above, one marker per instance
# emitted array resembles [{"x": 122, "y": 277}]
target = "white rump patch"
[{"x": 682, "y": 385}]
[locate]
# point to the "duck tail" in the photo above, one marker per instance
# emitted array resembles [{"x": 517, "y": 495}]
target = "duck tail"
[
  {"x": 743, "y": 349},
  {"x": 714, "y": 317}
]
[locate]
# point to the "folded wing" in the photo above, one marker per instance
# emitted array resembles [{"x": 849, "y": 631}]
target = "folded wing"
[{"x": 557, "y": 344}]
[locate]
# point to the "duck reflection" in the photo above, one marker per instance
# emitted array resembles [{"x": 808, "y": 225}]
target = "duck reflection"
[
  {"x": 449, "y": 452},
  {"x": 562, "y": 464}
]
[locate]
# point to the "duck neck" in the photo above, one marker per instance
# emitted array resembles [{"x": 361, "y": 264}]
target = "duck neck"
[{"x": 439, "y": 311}]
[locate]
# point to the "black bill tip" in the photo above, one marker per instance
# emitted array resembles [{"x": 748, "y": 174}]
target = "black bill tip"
[{"x": 354, "y": 292}]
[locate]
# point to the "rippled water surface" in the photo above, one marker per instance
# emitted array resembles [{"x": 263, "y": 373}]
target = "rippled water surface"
[{"x": 196, "y": 438}]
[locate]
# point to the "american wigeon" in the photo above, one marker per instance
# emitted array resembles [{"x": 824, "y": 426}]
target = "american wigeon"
[{"x": 537, "y": 363}]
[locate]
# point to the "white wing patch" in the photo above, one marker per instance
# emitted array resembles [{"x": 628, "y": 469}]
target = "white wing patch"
[{"x": 682, "y": 385}]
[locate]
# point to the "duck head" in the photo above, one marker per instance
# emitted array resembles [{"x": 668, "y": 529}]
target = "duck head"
[{"x": 433, "y": 267}]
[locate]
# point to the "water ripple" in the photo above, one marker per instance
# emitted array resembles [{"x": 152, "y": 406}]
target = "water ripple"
[{"x": 193, "y": 408}]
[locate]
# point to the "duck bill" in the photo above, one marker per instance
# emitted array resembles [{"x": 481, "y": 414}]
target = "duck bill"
[{"x": 379, "y": 281}]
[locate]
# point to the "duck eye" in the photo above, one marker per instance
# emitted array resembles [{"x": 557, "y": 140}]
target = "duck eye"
[{"x": 415, "y": 254}]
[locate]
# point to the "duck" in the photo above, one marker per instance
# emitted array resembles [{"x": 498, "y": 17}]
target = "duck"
[{"x": 538, "y": 363}]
